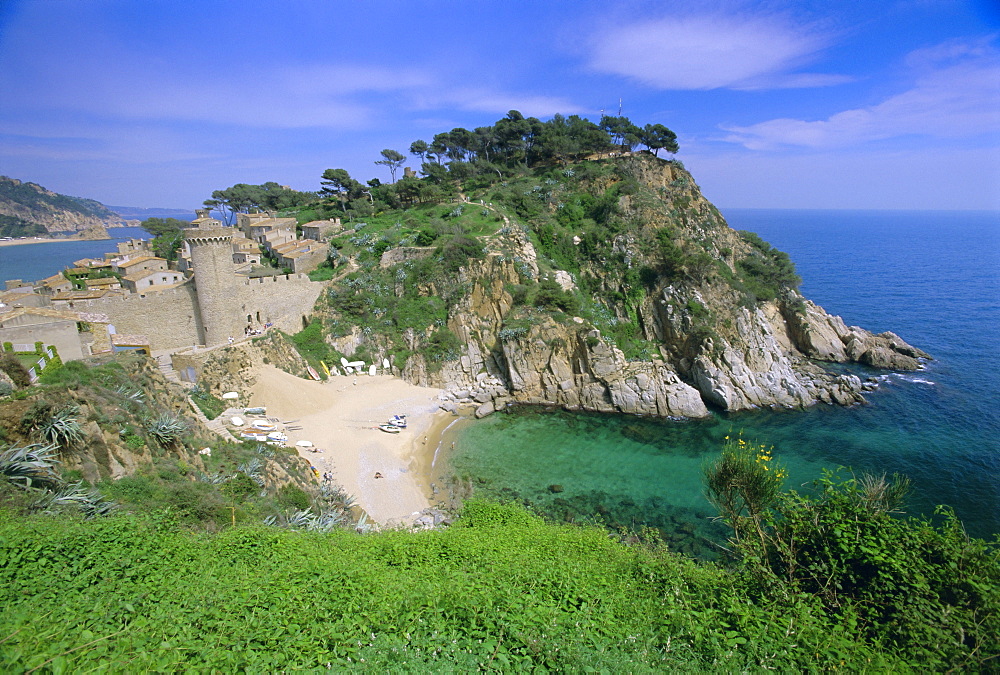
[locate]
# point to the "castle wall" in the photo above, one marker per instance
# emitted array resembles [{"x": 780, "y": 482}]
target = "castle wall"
[
  {"x": 284, "y": 301},
  {"x": 169, "y": 319},
  {"x": 172, "y": 318}
]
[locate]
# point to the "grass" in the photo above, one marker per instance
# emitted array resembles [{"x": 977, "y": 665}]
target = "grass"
[{"x": 501, "y": 592}]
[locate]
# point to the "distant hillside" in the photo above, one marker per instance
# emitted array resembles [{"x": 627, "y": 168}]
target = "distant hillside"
[
  {"x": 139, "y": 213},
  {"x": 28, "y": 209}
]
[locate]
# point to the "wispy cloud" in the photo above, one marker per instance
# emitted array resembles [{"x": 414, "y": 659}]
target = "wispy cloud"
[
  {"x": 955, "y": 95},
  {"x": 712, "y": 52}
]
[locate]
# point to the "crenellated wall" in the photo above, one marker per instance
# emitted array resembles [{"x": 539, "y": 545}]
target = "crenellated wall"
[{"x": 172, "y": 318}]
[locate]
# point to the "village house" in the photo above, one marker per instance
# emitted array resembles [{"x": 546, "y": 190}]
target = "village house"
[
  {"x": 321, "y": 230},
  {"x": 106, "y": 283},
  {"x": 66, "y": 299},
  {"x": 55, "y": 284},
  {"x": 141, "y": 263},
  {"x": 74, "y": 334},
  {"x": 300, "y": 256},
  {"x": 151, "y": 280}
]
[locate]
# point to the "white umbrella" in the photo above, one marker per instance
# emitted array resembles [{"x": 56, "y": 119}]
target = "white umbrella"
[
  {"x": 231, "y": 395},
  {"x": 304, "y": 444}
]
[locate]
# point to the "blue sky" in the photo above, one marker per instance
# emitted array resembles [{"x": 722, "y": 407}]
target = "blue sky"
[{"x": 885, "y": 104}]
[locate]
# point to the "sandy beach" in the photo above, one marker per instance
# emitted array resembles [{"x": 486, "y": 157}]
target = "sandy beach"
[
  {"x": 45, "y": 240},
  {"x": 341, "y": 418}
]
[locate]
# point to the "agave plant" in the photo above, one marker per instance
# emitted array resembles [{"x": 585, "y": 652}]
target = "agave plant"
[
  {"x": 253, "y": 468},
  {"x": 74, "y": 496},
  {"x": 166, "y": 429},
  {"x": 63, "y": 428},
  {"x": 30, "y": 465},
  {"x": 336, "y": 497},
  {"x": 326, "y": 521},
  {"x": 130, "y": 394},
  {"x": 264, "y": 450},
  {"x": 213, "y": 479}
]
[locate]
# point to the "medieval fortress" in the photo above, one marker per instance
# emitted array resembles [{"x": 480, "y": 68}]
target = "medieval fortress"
[{"x": 205, "y": 301}]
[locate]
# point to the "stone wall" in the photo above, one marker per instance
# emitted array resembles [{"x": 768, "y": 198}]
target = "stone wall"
[
  {"x": 285, "y": 301},
  {"x": 62, "y": 334},
  {"x": 170, "y": 319}
]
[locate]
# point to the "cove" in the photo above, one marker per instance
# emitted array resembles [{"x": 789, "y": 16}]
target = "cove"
[{"x": 931, "y": 277}]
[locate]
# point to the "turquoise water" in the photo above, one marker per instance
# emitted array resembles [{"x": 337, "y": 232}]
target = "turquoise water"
[
  {"x": 33, "y": 262},
  {"x": 931, "y": 277}
]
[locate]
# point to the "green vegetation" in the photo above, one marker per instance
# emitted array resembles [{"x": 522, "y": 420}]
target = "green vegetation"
[
  {"x": 927, "y": 592},
  {"x": 501, "y": 590},
  {"x": 767, "y": 271},
  {"x": 225, "y": 567},
  {"x": 168, "y": 235},
  {"x": 12, "y": 226},
  {"x": 210, "y": 406}
]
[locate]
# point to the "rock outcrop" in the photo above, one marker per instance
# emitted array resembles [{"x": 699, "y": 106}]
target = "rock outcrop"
[
  {"x": 714, "y": 313},
  {"x": 32, "y": 204}
]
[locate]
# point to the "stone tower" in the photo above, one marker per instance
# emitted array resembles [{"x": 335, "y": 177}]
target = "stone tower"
[{"x": 214, "y": 278}]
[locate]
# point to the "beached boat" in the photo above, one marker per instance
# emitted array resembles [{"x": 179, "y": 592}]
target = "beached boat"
[
  {"x": 277, "y": 436},
  {"x": 264, "y": 426},
  {"x": 389, "y": 428},
  {"x": 312, "y": 372},
  {"x": 251, "y": 436},
  {"x": 398, "y": 421},
  {"x": 260, "y": 410}
]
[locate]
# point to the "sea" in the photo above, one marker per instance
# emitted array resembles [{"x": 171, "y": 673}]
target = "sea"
[
  {"x": 34, "y": 262},
  {"x": 932, "y": 277}
]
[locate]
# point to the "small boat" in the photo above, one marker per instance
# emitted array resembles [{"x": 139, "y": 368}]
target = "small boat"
[
  {"x": 260, "y": 410},
  {"x": 264, "y": 426},
  {"x": 236, "y": 421},
  {"x": 398, "y": 421},
  {"x": 312, "y": 372},
  {"x": 389, "y": 428},
  {"x": 372, "y": 370},
  {"x": 251, "y": 436},
  {"x": 277, "y": 436}
]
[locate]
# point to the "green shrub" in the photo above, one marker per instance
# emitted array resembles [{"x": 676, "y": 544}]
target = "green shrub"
[
  {"x": 293, "y": 497},
  {"x": 15, "y": 370}
]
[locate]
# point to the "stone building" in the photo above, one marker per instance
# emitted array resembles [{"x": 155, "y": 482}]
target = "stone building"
[
  {"x": 322, "y": 230},
  {"x": 209, "y": 307}
]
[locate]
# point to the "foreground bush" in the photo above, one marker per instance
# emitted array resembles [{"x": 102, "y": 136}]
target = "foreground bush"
[{"x": 501, "y": 591}]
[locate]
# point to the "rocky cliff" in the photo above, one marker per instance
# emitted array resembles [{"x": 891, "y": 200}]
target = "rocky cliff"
[
  {"x": 30, "y": 209},
  {"x": 612, "y": 286}
]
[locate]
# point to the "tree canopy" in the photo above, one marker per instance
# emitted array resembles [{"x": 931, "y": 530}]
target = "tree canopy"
[{"x": 269, "y": 196}]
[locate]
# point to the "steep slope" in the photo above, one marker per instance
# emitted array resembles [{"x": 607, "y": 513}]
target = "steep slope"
[
  {"x": 29, "y": 209},
  {"x": 610, "y": 285}
]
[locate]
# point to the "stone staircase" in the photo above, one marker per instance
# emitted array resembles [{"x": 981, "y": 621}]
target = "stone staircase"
[
  {"x": 166, "y": 367},
  {"x": 217, "y": 425}
]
